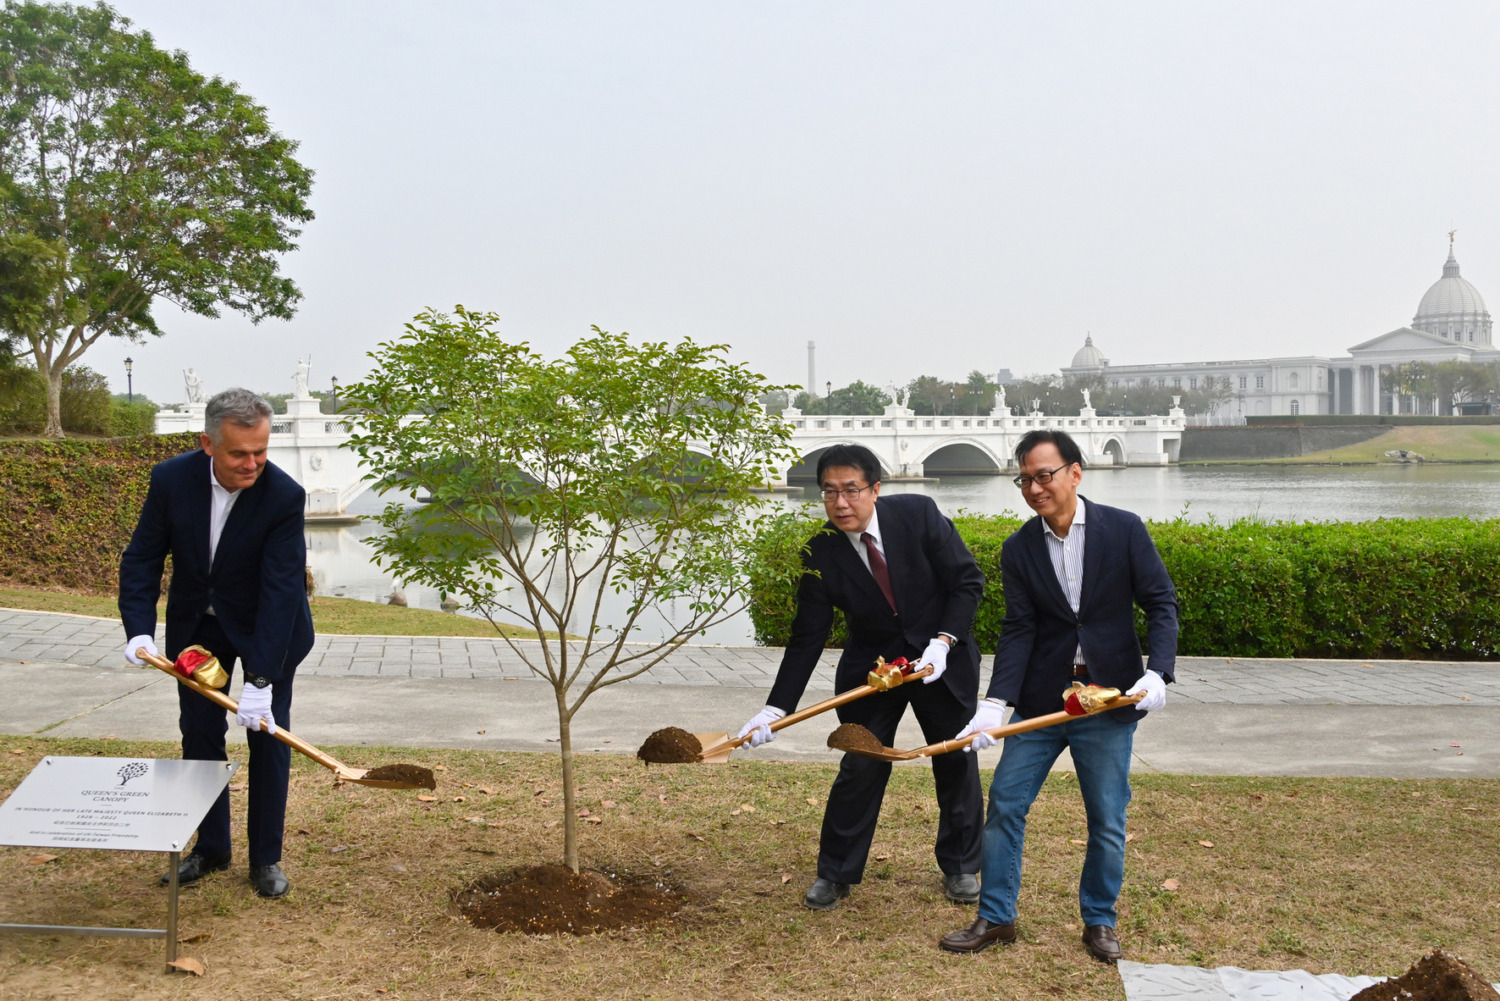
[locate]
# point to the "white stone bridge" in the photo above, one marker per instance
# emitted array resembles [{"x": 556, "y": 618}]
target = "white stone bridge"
[{"x": 309, "y": 444}]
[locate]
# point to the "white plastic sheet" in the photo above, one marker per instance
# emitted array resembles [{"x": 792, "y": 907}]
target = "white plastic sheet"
[{"x": 1165, "y": 982}]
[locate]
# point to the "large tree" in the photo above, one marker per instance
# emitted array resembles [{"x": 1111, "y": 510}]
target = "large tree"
[
  {"x": 154, "y": 181},
  {"x": 622, "y": 468}
]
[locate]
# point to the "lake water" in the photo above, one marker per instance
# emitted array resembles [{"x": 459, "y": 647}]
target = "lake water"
[{"x": 342, "y": 566}]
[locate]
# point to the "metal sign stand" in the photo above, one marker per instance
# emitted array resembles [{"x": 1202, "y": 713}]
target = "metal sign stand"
[{"x": 78, "y": 803}]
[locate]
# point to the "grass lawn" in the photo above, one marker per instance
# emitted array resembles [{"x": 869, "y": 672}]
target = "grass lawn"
[
  {"x": 344, "y": 616},
  {"x": 1348, "y": 876},
  {"x": 1459, "y": 443}
]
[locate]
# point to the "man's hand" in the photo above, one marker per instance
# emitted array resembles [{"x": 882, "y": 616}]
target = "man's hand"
[
  {"x": 1155, "y": 689},
  {"x": 255, "y": 705},
  {"x": 936, "y": 654},
  {"x": 990, "y": 716},
  {"x": 136, "y": 642},
  {"x": 759, "y": 727}
]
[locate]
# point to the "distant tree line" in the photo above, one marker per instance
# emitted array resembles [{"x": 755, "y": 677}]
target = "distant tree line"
[{"x": 1451, "y": 383}]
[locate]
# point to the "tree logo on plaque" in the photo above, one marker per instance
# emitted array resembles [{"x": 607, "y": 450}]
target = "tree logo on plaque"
[{"x": 132, "y": 770}]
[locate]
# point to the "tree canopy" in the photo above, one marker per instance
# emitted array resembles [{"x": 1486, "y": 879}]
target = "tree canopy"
[{"x": 151, "y": 180}]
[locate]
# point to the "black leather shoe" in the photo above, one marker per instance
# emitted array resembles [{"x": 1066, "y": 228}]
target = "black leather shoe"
[
  {"x": 824, "y": 894},
  {"x": 269, "y": 880},
  {"x": 1102, "y": 944},
  {"x": 961, "y": 888},
  {"x": 195, "y": 867},
  {"x": 978, "y": 936}
]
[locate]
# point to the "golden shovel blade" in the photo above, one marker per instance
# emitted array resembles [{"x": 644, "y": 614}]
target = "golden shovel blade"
[{"x": 716, "y": 748}]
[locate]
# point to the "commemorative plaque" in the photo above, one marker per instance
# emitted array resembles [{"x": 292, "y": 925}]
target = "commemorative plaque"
[{"x": 135, "y": 804}]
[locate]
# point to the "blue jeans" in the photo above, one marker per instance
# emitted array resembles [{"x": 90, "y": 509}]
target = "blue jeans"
[{"x": 1101, "y": 749}]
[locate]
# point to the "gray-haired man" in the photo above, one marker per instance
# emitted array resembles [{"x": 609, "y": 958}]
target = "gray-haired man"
[{"x": 232, "y": 522}]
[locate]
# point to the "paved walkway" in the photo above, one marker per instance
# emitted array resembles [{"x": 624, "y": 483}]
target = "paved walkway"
[{"x": 64, "y": 675}]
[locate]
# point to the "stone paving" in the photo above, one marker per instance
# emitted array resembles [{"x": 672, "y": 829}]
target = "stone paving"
[{"x": 45, "y": 637}]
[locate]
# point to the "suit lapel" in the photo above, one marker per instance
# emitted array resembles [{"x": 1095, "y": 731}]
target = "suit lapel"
[
  {"x": 1093, "y": 553},
  {"x": 1041, "y": 560},
  {"x": 200, "y": 508},
  {"x": 853, "y": 568}
]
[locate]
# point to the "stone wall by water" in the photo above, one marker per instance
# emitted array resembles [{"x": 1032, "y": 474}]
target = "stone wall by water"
[{"x": 1270, "y": 442}]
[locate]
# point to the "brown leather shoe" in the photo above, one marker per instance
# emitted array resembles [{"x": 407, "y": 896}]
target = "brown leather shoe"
[
  {"x": 1102, "y": 944},
  {"x": 978, "y": 936}
]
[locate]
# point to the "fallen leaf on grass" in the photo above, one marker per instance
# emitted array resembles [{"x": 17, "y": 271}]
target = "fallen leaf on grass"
[
  {"x": 1206, "y": 844},
  {"x": 550, "y": 824},
  {"x": 459, "y": 799},
  {"x": 695, "y": 837},
  {"x": 487, "y": 790},
  {"x": 338, "y": 848},
  {"x": 661, "y": 797},
  {"x": 882, "y": 857},
  {"x": 201, "y": 936},
  {"x": 593, "y": 820},
  {"x": 608, "y": 804},
  {"x": 734, "y": 813},
  {"x": 1129, "y": 838},
  {"x": 1170, "y": 884},
  {"x": 1195, "y": 785},
  {"x": 584, "y": 812},
  {"x": 537, "y": 791},
  {"x": 785, "y": 879},
  {"x": 17, "y": 750},
  {"x": 42, "y": 859},
  {"x": 440, "y": 768},
  {"x": 424, "y": 798},
  {"x": 747, "y": 808},
  {"x": 1471, "y": 808},
  {"x": 187, "y": 964},
  {"x": 1075, "y": 841},
  {"x": 811, "y": 801},
  {"x": 1071, "y": 927},
  {"x": 237, "y": 786}
]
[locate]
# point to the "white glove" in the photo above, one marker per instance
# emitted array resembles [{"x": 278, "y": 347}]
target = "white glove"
[
  {"x": 1155, "y": 689},
  {"x": 136, "y": 642},
  {"x": 936, "y": 654},
  {"x": 255, "y": 705},
  {"x": 759, "y": 727},
  {"x": 991, "y": 715}
]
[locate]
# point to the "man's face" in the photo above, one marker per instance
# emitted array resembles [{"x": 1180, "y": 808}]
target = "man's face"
[
  {"x": 240, "y": 454},
  {"x": 853, "y": 505},
  {"x": 1058, "y": 496}
]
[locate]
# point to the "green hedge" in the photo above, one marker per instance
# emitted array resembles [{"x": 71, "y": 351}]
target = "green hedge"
[
  {"x": 1418, "y": 589},
  {"x": 67, "y": 507},
  {"x": 85, "y": 404}
]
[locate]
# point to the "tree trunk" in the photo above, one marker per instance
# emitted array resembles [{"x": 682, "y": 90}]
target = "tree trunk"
[
  {"x": 570, "y": 794},
  {"x": 54, "y": 428}
]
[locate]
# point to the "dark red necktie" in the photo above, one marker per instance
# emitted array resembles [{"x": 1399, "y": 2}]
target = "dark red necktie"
[{"x": 878, "y": 569}]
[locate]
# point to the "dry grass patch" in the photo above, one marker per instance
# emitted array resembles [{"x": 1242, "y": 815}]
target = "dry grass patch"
[{"x": 1348, "y": 876}]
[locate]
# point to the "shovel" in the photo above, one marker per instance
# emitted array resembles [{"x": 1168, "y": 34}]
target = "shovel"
[
  {"x": 387, "y": 777},
  {"x": 716, "y": 746},
  {"x": 1078, "y": 700}
]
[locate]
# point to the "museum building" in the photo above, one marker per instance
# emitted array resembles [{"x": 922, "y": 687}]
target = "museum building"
[{"x": 1451, "y": 324}]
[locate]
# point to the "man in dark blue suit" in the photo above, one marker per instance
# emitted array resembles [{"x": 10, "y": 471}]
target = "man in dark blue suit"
[
  {"x": 232, "y": 523},
  {"x": 1072, "y": 576},
  {"x": 908, "y": 587}
]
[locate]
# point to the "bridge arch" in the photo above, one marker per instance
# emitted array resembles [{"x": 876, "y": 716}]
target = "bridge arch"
[
  {"x": 805, "y": 469},
  {"x": 961, "y": 456},
  {"x": 1112, "y": 452}
]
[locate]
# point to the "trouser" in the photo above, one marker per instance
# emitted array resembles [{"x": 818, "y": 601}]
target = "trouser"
[
  {"x": 204, "y": 726},
  {"x": 1100, "y": 747},
  {"x": 854, "y": 801}
]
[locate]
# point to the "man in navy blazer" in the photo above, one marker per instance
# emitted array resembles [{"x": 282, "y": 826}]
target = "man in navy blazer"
[
  {"x": 1072, "y": 576},
  {"x": 908, "y": 587},
  {"x": 233, "y": 524}
]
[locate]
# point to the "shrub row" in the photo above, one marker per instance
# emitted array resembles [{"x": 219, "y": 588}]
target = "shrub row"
[
  {"x": 1417, "y": 589},
  {"x": 85, "y": 403},
  {"x": 67, "y": 507}
]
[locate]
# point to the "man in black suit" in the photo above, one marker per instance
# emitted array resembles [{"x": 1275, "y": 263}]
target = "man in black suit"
[
  {"x": 908, "y": 587},
  {"x": 1073, "y": 576},
  {"x": 232, "y": 523}
]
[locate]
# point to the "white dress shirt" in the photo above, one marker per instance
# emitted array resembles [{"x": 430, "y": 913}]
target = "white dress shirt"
[
  {"x": 859, "y": 544},
  {"x": 1067, "y": 560},
  {"x": 220, "y": 504}
]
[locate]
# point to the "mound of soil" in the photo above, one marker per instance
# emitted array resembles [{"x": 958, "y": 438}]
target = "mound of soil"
[
  {"x": 414, "y": 775},
  {"x": 853, "y": 737},
  {"x": 671, "y": 746},
  {"x": 552, "y": 899},
  {"x": 1437, "y": 976}
]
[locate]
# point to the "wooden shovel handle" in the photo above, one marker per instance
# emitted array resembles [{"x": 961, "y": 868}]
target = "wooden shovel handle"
[
  {"x": 282, "y": 733},
  {"x": 1035, "y": 723},
  {"x": 827, "y": 704}
]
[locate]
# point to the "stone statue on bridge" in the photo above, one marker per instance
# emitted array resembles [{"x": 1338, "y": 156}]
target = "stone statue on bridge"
[
  {"x": 1000, "y": 400},
  {"x": 194, "y": 386},
  {"x": 299, "y": 380},
  {"x": 1086, "y": 402}
]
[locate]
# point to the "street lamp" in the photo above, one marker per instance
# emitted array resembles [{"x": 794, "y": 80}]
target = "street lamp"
[
  {"x": 952, "y": 402},
  {"x": 828, "y": 400},
  {"x": 129, "y": 380},
  {"x": 335, "y": 380}
]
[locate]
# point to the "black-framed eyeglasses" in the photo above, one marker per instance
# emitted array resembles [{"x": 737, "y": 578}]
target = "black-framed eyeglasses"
[
  {"x": 850, "y": 494},
  {"x": 1043, "y": 477}
]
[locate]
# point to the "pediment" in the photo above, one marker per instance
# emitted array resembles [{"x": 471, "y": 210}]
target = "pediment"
[{"x": 1407, "y": 339}]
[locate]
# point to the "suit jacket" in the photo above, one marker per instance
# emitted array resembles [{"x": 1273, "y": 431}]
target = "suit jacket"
[
  {"x": 1121, "y": 569},
  {"x": 256, "y": 583},
  {"x": 937, "y": 586}
]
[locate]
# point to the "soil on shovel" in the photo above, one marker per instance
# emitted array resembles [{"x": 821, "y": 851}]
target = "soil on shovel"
[
  {"x": 672, "y": 746},
  {"x": 853, "y": 737},
  {"x": 413, "y": 775},
  {"x": 552, "y": 900},
  {"x": 1437, "y": 976}
]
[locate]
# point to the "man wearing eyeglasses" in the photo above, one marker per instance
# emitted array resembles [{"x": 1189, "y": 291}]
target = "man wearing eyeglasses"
[
  {"x": 1072, "y": 576},
  {"x": 908, "y": 587}
]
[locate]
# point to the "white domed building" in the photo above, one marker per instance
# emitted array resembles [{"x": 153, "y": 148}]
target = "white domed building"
[{"x": 1452, "y": 323}]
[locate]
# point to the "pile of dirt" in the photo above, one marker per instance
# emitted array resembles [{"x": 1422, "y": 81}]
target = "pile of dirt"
[
  {"x": 552, "y": 899},
  {"x": 413, "y": 775},
  {"x": 853, "y": 737},
  {"x": 1437, "y": 976},
  {"x": 671, "y": 746}
]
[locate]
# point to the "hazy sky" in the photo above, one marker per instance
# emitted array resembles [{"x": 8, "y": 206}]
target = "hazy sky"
[{"x": 920, "y": 188}]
